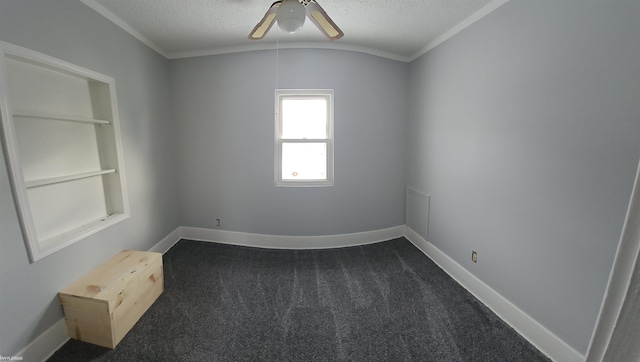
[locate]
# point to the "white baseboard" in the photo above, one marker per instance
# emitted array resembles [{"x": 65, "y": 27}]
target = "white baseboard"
[
  {"x": 543, "y": 339},
  {"x": 46, "y": 344},
  {"x": 53, "y": 338},
  {"x": 168, "y": 241},
  {"x": 291, "y": 242}
]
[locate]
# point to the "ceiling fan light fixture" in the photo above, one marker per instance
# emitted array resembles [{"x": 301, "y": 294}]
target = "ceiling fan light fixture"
[{"x": 291, "y": 15}]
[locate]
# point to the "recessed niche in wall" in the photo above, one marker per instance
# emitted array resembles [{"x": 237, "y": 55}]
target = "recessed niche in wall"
[{"x": 62, "y": 146}]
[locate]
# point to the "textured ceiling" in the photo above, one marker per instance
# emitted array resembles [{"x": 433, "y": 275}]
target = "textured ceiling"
[{"x": 397, "y": 29}]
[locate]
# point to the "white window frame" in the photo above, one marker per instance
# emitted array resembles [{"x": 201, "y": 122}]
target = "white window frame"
[{"x": 282, "y": 94}]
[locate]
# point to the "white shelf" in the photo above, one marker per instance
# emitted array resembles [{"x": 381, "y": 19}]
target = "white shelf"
[
  {"x": 58, "y": 242},
  {"x": 55, "y": 180},
  {"x": 61, "y": 118},
  {"x": 59, "y": 121}
]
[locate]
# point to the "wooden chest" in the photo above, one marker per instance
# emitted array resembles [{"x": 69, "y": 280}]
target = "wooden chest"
[{"x": 102, "y": 306}]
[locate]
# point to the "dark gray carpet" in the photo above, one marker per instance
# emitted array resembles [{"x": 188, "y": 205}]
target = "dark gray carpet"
[{"x": 379, "y": 302}]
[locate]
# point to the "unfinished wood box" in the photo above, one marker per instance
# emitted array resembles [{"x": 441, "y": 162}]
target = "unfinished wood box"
[{"x": 102, "y": 306}]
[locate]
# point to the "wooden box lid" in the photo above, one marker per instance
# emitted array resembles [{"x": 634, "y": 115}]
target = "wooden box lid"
[{"x": 108, "y": 279}]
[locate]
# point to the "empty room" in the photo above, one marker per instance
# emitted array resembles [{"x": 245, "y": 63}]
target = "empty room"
[{"x": 321, "y": 179}]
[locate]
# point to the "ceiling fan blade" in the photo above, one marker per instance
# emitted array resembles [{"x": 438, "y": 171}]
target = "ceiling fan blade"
[
  {"x": 263, "y": 26},
  {"x": 319, "y": 17}
]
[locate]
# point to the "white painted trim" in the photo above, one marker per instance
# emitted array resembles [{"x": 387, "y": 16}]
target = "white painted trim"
[
  {"x": 292, "y": 242},
  {"x": 278, "y": 142},
  {"x": 39, "y": 248},
  {"x": 543, "y": 339},
  {"x": 234, "y": 49},
  {"x": 168, "y": 241},
  {"x": 95, "y": 6},
  {"x": 53, "y": 338},
  {"x": 288, "y": 45},
  {"x": 17, "y": 51},
  {"x": 458, "y": 28},
  {"x": 619, "y": 288},
  {"x": 46, "y": 344}
]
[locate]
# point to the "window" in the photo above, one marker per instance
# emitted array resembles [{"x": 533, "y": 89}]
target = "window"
[{"x": 304, "y": 137}]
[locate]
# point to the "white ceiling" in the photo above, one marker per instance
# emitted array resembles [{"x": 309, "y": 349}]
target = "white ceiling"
[{"x": 396, "y": 29}]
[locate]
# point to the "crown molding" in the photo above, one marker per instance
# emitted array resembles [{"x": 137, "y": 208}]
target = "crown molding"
[
  {"x": 486, "y": 10},
  {"x": 93, "y": 4},
  {"x": 124, "y": 26},
  {"x": 288, "y": 45}
]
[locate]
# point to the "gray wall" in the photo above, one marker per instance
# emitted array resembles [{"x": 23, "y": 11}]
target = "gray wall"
[
  {"x": 525, "y": 131},
  {"x": 73, "y": 32},
  {"x": 224, "y": 108}
]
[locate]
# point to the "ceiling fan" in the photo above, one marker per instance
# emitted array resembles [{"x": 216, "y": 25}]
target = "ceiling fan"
[{"x": 290, "y": 15}]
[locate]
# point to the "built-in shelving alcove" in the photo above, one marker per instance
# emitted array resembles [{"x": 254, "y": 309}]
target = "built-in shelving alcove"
[{"x": 62, "y": 145}]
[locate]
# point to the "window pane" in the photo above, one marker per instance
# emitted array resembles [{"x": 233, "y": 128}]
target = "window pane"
[
  {"x": 304, "y": 161},
  {"x": 304, "y": 118}
]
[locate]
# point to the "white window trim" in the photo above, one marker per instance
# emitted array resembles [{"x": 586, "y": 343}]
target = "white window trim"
[{"x": 292, "y": 93}]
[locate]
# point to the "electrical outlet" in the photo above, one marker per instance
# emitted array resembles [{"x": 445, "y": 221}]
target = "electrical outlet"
[
  {"x": 218, "y": 223},
  {"x": 474, "y": 256}
]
